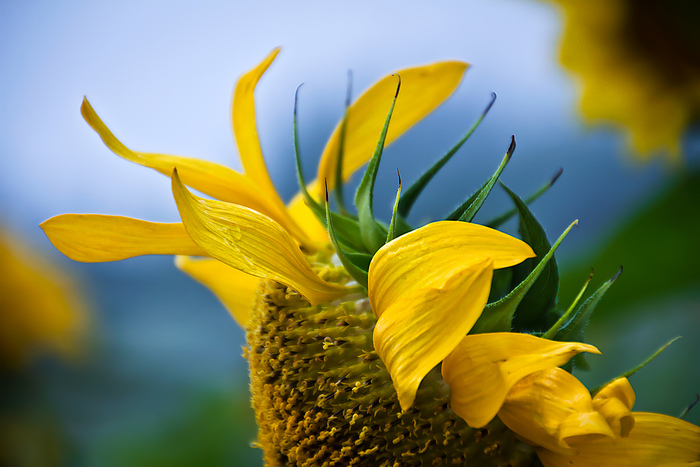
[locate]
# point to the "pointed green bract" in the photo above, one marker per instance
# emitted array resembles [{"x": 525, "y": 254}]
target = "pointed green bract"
[
  {"x": 573, "y": 331},
  {"x": 542, "y": 296},
  {"x": 566, "y": 317},
  {"x": 412, "y": 193},
  {"x": 629, "y": 373},
  {"x": 338, "y": 187},
  {"x": 506, "y": 216},
  {"x": 468, "y": 209},
  {"x": 349, "y": 230},
  {"x": 357, "y": 273},
  {"x": 371, "y": 232},
  {"x": 392, "y": 226},
  {"x": 498, "y": 316}
]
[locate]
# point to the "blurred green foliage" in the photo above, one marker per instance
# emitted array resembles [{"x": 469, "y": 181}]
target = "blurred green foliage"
[
  {"x": 656, "y": 298},
  {"x": 216, "y": 430}
]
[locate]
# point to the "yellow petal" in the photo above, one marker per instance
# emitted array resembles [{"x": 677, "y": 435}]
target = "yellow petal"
[
  {"x": 428, "y": 256},
  {"x": 420, "y": 329},
  {"x": 484, "y": 367},
  {"x": 250, "y": 242},
  {"x": 215, "y": 180},
  {"x": 245, "y": 127},
  {"x": 93, "y": 238},
  {"x": 423, "y": 88},
  {"x": 235, "y": 289},
  {"x": 615, "y": 402},
  {"x": 657, "y": 440},
  {"x": 551, "y": 409}
]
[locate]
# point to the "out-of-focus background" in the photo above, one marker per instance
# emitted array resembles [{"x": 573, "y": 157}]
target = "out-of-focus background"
[{"x": 156, "y": 375}]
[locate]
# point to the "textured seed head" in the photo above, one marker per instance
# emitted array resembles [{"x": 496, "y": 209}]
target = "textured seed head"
[{"x": 322, "y": 396}]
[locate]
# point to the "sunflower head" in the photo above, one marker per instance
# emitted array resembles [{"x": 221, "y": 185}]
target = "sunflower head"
[{"x": 375, "y": 341}]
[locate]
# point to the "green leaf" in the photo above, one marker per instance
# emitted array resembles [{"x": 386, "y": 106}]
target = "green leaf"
[
  {"x": 498, "y": 316},
  {"x": 542, "y": 296},
  {"x": 348, "y": 229},
  {"x": 506, "y": 216},
  {"x": 411, "y": 195},
  {"x": 357, "y": 273},
  {"x": 372, "y": 234},
  {"x": 467, "y": 210},
  {"x": 574, "y": 329}
]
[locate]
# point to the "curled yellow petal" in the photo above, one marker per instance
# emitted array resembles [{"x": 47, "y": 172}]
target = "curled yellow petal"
[
  {"x": 250, "y": 242},
  {"x": 93, "y": 238},
  {"x": 484, "y": 367},
  {"x": 213, "y": 179},
  {"x": 428, "y": 256},
  {"x": 420, "y": 329},
  {"x": 423, "y": 88},
  {"x": 656, "y": 441},
  {"x": 552, "y": 409},
  {"x": 615, "y": 402},
  {"x": 235, "y": 289}
]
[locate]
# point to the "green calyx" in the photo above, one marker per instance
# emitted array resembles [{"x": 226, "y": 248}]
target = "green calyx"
[{"x": 523, "y": 298}]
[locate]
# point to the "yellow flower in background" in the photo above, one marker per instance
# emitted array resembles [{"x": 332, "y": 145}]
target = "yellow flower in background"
[
  {"x": 368, "y": 342},
  {"x": 40, "y": 310},
  {"x": 638, "y": 67}
]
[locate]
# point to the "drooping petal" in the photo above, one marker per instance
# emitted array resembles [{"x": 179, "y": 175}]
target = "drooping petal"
[
  {"x": 615, "y": 402},
  {"x": 656, "y": 441},
  {"x": 552, "y": 409},
  {"x": 250, "y": 242},
  {"x": 235, "y": 289},
  {"x": 213, "y": 179},
  {"x": 94, "y": 238},
  {"x": 428, "y": 256},
  {"x": 423, "y": 88},
  {"x": 483, "y": 368},
  {"x": 421, "y": 328}
]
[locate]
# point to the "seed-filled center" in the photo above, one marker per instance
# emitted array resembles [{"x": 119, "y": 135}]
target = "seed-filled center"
[{"x": 322, "y": 396}]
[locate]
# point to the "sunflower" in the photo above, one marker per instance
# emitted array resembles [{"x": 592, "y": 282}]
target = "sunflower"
[
  {"x": 638, "y": 66},
  {"x": 368, "y": 342}
]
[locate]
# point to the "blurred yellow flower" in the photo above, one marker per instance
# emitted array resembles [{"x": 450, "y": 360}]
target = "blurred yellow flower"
[
  {"x": 40, "y": 311},
  {"x": 637, "y": 65}
]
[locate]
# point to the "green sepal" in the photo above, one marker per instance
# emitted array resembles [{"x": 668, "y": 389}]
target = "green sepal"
[
  {"x": 498, "y": 316},
  {"x": 629, "y": 373},
  {"x": 542, "y": 296},
  {"x": 371, "y": 232},
  {"x": 569, "y": 313},
  {"x": 468, "y": 209},
  {"x": 412, "y": 193},
  {"x": 348, "y": 229},
  {"x": 357, "y": 272},
  {"x": 573, "y": 330},
  {"x": 391, "y": 233},
  {"x": 506, "y": 216},
  {"x": 338, "y": 187},
  {"x": 687, "y": 410}
]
